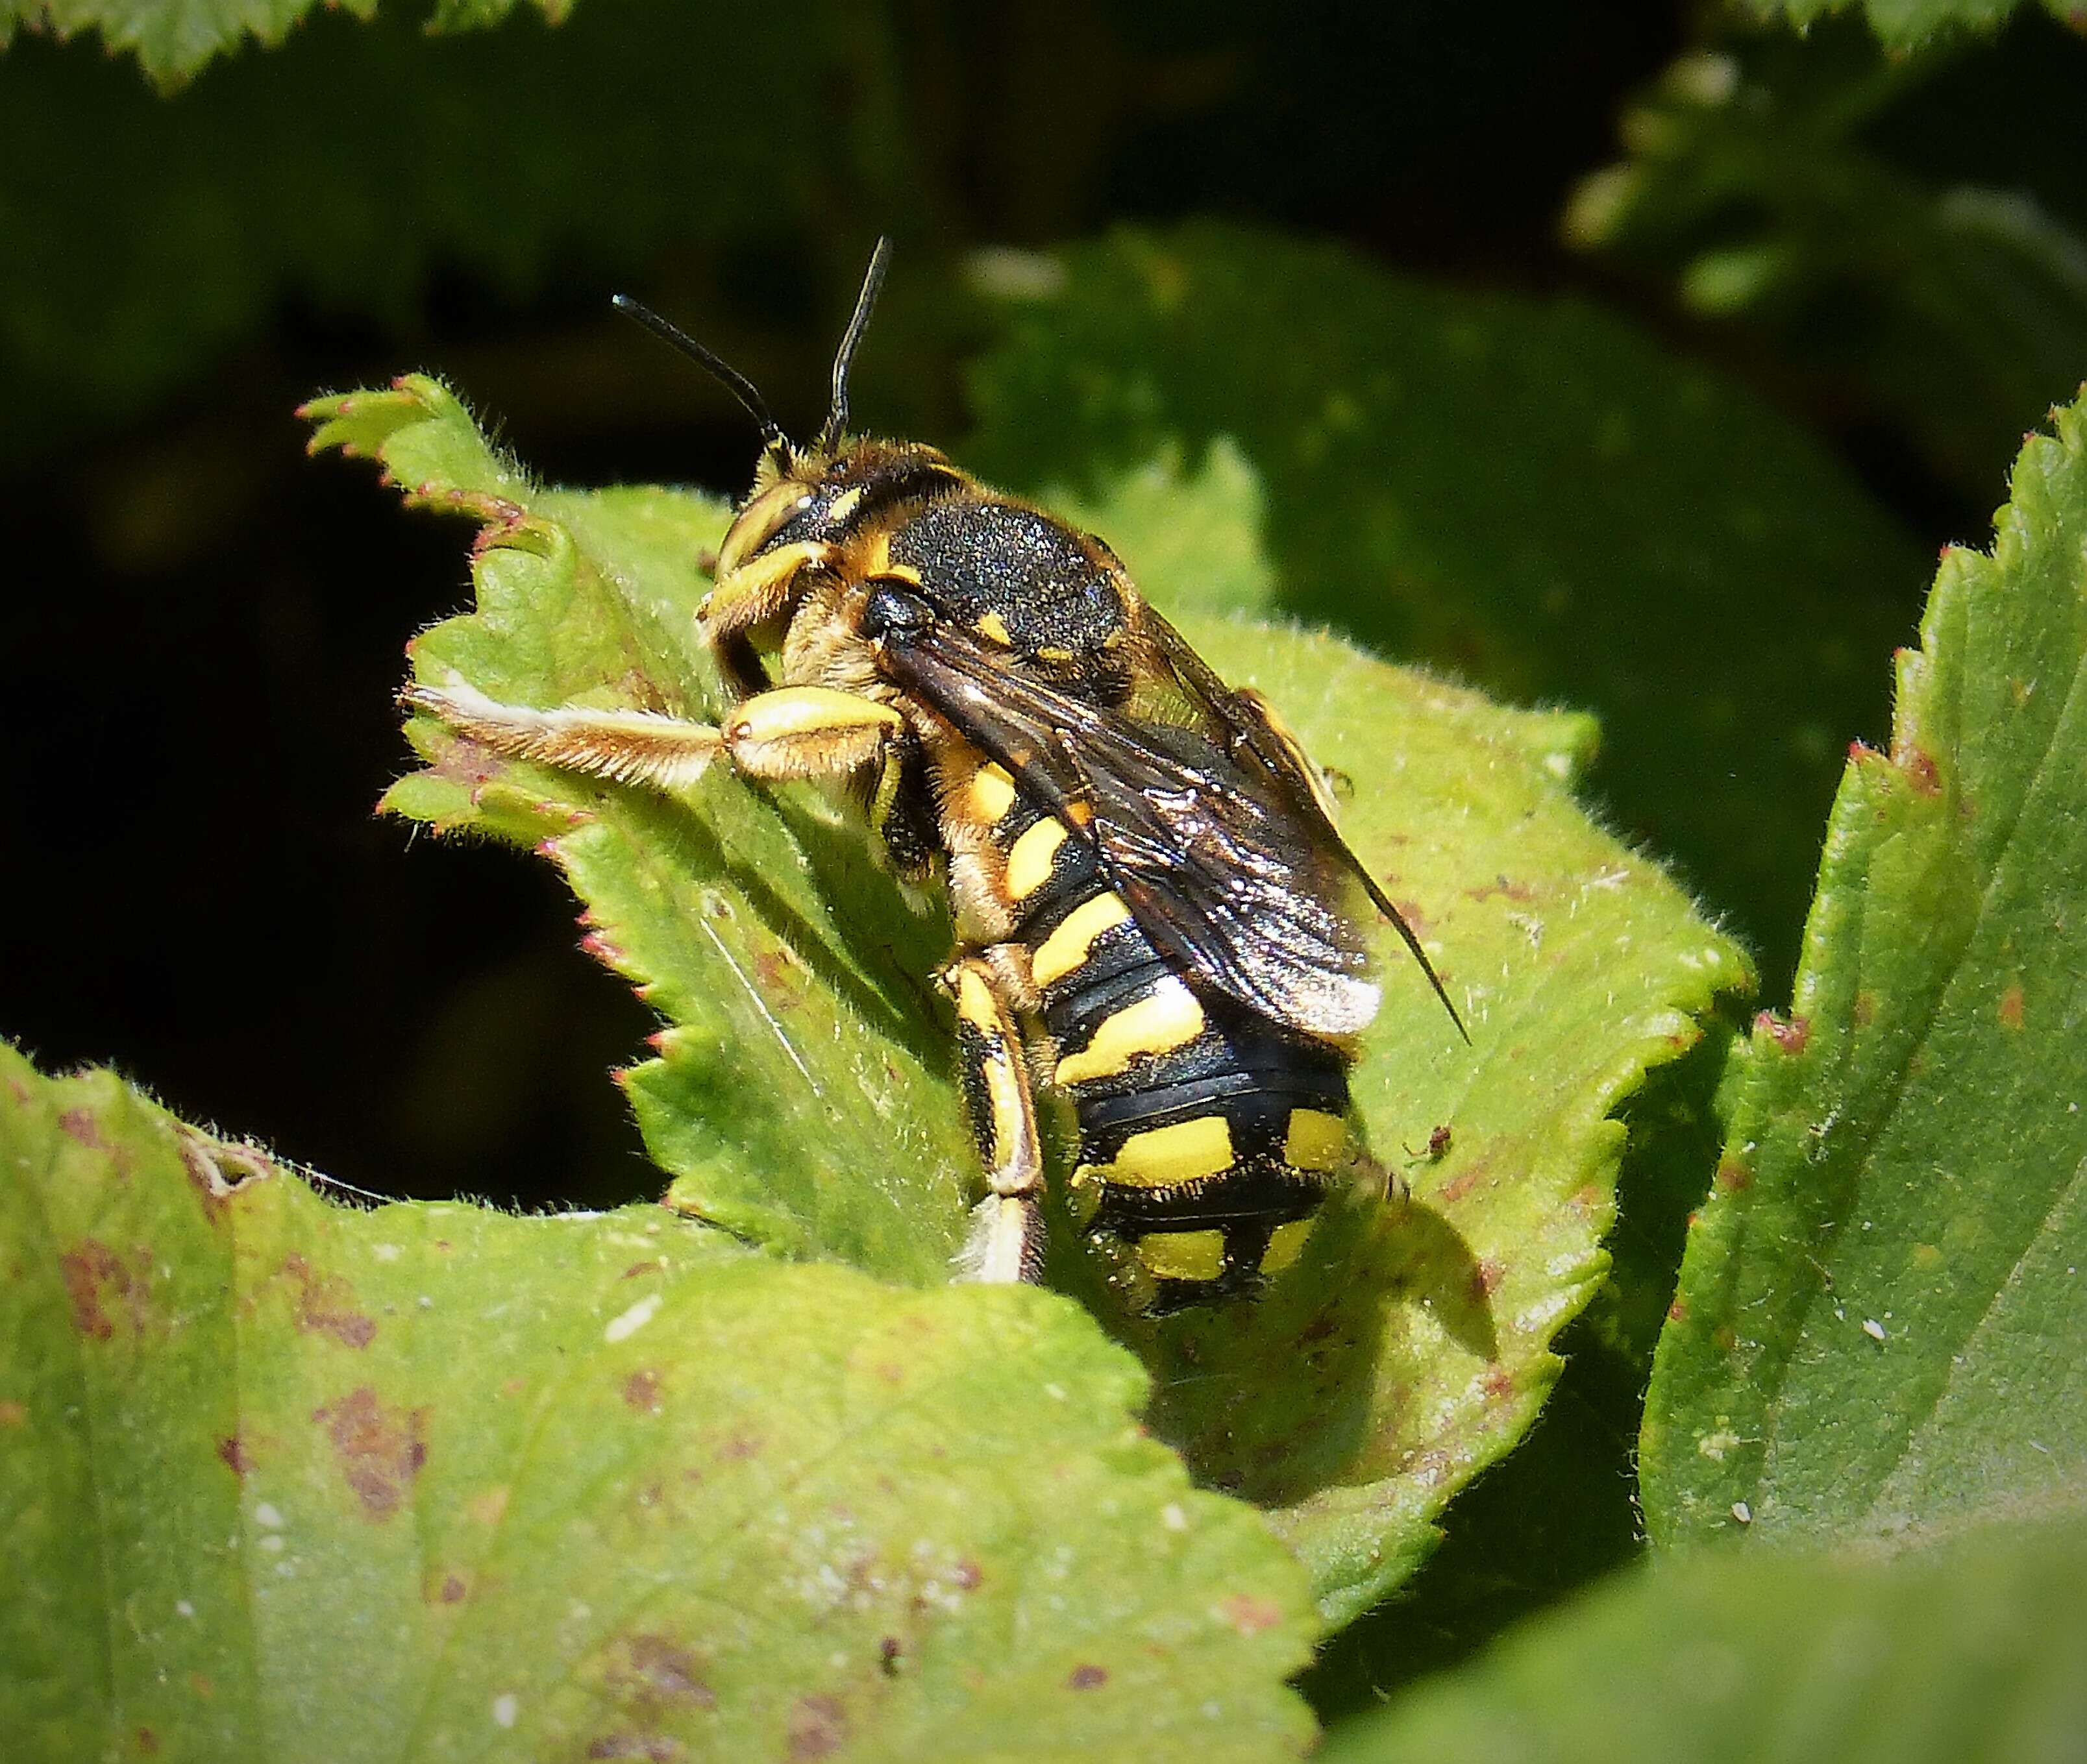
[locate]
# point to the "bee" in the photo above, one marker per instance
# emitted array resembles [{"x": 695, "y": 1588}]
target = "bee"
[{"x": 1155, "y": 916}]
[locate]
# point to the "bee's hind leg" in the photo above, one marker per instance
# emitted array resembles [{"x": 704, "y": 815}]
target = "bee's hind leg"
[{"x": 1006, "y": 1243}]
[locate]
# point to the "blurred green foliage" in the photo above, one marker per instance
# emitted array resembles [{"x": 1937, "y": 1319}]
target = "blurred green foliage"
[
  {"x": 1904, "y": 24},
  {"x": 1803, "y": 200}
]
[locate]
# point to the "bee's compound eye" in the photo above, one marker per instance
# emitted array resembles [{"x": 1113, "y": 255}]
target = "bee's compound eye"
[{"x": 894, "y": 608}]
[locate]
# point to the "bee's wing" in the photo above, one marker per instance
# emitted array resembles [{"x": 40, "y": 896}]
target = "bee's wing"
[
  {"x": 1248, "y": 729},
  {"x": 1213, "y": 857}
]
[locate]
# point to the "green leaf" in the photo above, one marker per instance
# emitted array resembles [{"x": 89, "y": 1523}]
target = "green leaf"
[
  {"x": 1902, "y": 25},
  {"x": 286, "y": 1481},
  {"x": 804, "y": 1050},
  {"x": 1528, "y": 493},
  {"x": 1967, "y": 1653},
  {"x": 1881, "y": 1315},
  {"x": 1801, "y": 189},
  {"x": 173, "y": 38}
]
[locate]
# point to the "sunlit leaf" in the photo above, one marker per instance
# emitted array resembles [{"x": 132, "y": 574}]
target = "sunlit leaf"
[
  {"x": 1882, "y": 1315},
  {"x": 283, "y": 1480}
]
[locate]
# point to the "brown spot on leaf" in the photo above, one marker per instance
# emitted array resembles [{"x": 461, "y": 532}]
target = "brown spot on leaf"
[
  {"x": 819, "y": 1727},
  {"x": 889, "y": 1651},
  {"x": 1487, "y": 1274},
  {"x": 325, "y": 1305},
  {"x": 1465, "y": 1180},
  {"x": 1087, "y": 1678},
  {"x": 380, "y": 1450},
  {"x": 652, "y": 1747},
  {"x": 1249, "y": 1612},
  {"x": 1917, "y": 765},
  {"x": 1518, "y": 892},
  {"x": 966, "y": 1575},
  {"x": 641, "y": 1390},
  {"x": 12, "y": 1414},
  {"x": 79, "y": 1124},
  {"x": 89, "y": 1269},
  {"x": 452, "y": 1590},
  {"x": 1866, "y": 1008},
  {"x": 2011, "y": 1008},
  {"x": 668, "y": 1671},
  {"x": 1498, "y": 1383},
  {"x": 234, "y": 1451},
  {"x": 636, "y": 1268},
  {"x": 1678, "y": 1311},
  {"x": 1790, "y": 1036},
  {"x": 740, "y": 1446},
  {"x": 148, "y": 1742},
  {"x": 1734, "y": 1175}
]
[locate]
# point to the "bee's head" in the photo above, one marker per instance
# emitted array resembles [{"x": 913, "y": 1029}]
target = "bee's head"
[{"x": 803, "y": 496}]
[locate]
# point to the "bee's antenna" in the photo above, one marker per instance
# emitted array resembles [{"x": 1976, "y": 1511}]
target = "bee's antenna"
[
  {"x": 837, "y": 413},
  {"x": 712, "y": 364}
]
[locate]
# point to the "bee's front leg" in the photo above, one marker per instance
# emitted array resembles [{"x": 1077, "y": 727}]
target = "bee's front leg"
[
  {"x": 1006, "y": 1243},
  {"x": 795, "y": 731}
]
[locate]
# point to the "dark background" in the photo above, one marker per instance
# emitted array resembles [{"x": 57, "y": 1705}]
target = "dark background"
[{"x": 202, "y": 628}]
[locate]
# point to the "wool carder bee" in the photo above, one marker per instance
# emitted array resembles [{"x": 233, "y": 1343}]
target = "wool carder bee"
[{"x": 1154, "y": 914}]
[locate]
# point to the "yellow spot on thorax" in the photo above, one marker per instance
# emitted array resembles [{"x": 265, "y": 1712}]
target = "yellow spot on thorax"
[
  {"x": 1183, "y": 1255},
  {"x": 1029, "y": 862},
  {"x": 994, "y": 626},
  {"x": 1286, "y": 1245},
  {"x": 1067, "y": 947},
  {"x": 1316, "y": 1140},
  {"x": 1163, "y": 1157},
  {"x": 1169, "y": 1018}
]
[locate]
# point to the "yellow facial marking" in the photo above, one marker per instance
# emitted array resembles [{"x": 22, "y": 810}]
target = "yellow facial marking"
[
  {"x": 760, "y": 587},
  {"x": 1163, "y": 1156},
  {"x": 992, "y": 794},
  {"x": 1316, "y": 1140},
  {"x": 758, "y": 520},
  {"x": 995, "y": 626},
  {"x": 1183, "y": 1255},
  {"x": 1028, "y": 862},
  {"x": 1168, "y": 1019},
  {"x": 1067, "y": 947},
  {"x": 1286, "y": 1245},
  {"x": 844, "y": 506}
]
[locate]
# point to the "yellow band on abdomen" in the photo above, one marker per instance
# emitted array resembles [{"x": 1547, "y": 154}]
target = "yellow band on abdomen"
[{"x": 1067, "y": 947}]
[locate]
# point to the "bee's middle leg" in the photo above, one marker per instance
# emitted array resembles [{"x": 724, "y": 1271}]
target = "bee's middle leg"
[{"x": 1006, "y": 1243}]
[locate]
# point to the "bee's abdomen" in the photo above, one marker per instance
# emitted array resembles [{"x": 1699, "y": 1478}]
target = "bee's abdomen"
[{"x": 1208, "y": 1135}]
